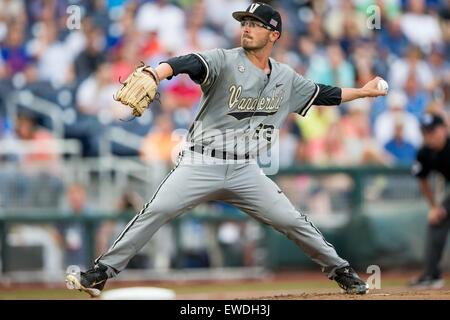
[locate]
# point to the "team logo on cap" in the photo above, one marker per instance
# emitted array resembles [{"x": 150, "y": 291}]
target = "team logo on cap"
[{"x": 253, "y": 7}]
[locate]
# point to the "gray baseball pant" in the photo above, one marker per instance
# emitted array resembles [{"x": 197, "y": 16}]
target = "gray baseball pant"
[
  {"x": 242, "y": 185},
  {"x": 435, "y": 243}
]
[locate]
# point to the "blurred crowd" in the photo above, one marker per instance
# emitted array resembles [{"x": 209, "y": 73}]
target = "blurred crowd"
[
  {"x": 73, "y": 53},
  {"x": 61, "y": 61}
]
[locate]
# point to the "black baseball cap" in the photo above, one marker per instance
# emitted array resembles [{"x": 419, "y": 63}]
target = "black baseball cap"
[
  {"x": 262, "y": 12},
  {"x": 429, "y": 122}
]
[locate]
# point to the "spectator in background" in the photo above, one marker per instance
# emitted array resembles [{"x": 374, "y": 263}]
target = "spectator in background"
[
  {"x": 46, "y": 11},
  {"x": 346, "y": 22},
  {"x": 147, "y": 42},
  {"x": 125, "y": 58},
  {"x": 221, "y": 23},
  {"x": 333, "y": 69},
  {"x": 306, "y": 50},
  {"x": 316, "y": 30},
  {"x": 420, "y": 28},
  {"x": 72, "y": 233},
  {"x": 167, "y": 19},
  {"x": 315, "y": 131},
  {"x": 13, "y": 51},
  {"x": 99, "y": 12},
  {"x": 412, "y": 65},
  {"x": 439, "y": 65},
  {"x": 53, "y": 57},
  {"x": 40, "y": 165},
  {"x": 200, "y": 37},
  {"x": 96, "y": 109},
  {"x": 340, "y": 20},
  {"x": 418, "y": 98},
  {"x": 95, "y": 96},
  {"x": 161, "y": 145},
  {"x": 88, "y": 61},
  {"x": 335, "y": 153},
  {"x": 359, "y": 145},
  {"x": 403, "y": 152},
  {"x": 368, "y": 62},
  {"x": 392, "y": 38},
  {"x": 386, "y": 122},
  {"x": 41, "y": 152},
  {"x": 181, "y": 93},
  {"x": 13, "y": 10},
  {"x": 151, "y": 46},
  {"x": 29, "y": 80},
  {"x": 282, "y": 52}
]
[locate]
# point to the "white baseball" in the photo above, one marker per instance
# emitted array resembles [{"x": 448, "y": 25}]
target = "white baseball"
[{"x": 382, "y": 85}]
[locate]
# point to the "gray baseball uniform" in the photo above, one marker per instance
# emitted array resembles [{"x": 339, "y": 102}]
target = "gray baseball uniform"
[{"x": 240, "y": 112}]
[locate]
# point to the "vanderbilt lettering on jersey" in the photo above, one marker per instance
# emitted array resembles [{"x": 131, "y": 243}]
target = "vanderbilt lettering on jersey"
[
  {"x": 238, "y": 98},
  {"x": 245, "y": 107}
]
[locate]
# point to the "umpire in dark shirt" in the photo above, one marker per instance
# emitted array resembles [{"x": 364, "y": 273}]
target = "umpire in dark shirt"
[{"x": 434, "y": 156}]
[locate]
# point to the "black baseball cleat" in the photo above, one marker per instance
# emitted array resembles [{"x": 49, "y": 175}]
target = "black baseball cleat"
[
  {"x": 427, "y": 282},
  {"x": 349, "y": 281},
  {"x": 92, "y": 281}
]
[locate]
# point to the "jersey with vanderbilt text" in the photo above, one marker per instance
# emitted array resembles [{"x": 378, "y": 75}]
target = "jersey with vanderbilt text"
[{"x": 242, "y": 108}]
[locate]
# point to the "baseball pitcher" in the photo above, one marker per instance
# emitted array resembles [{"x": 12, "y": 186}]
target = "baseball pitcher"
[{"x": 246, "y": 97}]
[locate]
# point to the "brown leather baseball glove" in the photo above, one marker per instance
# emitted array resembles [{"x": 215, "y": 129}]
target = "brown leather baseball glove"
[{"x": 139, "y": 89}]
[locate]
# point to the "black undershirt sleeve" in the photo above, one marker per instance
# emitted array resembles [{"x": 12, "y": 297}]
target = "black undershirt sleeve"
[
  {"x": 328, "y": 96},
  {"x": 189, "y": 64}
]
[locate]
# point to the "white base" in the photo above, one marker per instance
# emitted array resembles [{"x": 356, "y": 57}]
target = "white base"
[{"x": 138, "y": 293}]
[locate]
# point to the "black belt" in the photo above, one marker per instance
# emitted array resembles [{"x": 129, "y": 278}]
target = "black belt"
[{"x": 218, "y": 154}]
